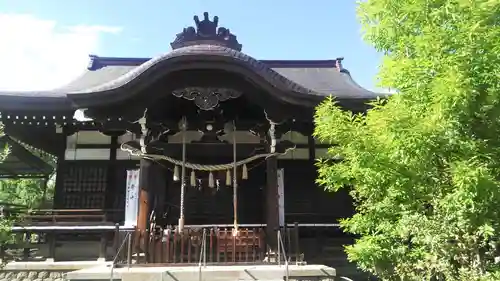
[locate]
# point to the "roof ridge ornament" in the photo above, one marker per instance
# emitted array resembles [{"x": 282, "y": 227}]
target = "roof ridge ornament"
[
  {"x": 339, "y": 66},
  {"x": 206, "y": 32}
]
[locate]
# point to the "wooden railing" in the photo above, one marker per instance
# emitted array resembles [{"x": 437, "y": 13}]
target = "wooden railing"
[
  {"x": 66, "y": 216},
  {"x": 38, "y": 227},
  {"x": 221, "y": 246},
  {"x": 155, "y": 246}
]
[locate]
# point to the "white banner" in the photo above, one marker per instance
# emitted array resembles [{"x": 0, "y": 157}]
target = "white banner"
[
  {"x": 281, "y": 196},
  {"x": 132, "y": 198}
]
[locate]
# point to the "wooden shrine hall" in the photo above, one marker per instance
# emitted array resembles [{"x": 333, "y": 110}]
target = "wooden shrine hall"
[{"x": 218, "y": 138}]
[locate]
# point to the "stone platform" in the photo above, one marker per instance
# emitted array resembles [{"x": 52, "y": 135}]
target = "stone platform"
[
  {"x": 44, "y": 270},
  {"x": 207, "y": 273}
]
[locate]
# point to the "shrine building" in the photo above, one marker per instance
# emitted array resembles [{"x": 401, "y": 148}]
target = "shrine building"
[{"x": 215, "y": 138}]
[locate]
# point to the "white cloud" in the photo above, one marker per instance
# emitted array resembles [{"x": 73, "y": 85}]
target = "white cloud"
[{"x": 38, "y": 54}]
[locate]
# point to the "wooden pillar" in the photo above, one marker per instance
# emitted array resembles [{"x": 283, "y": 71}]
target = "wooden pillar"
[
  {"x": 51, "y": 237},
  {"x": 272, "y": 202},
  {"x": 60, "y": 171},
  {"x": 160, "y": 189},
  {"x": 152, "y": 179},
  {"x": 311, "y": 144},
  {"x": 144, "y": 196},
  {"x": 272, "y": 194},
  {"x": 103, "y": 246}
]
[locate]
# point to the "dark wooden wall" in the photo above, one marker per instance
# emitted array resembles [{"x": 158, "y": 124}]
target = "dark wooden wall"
[
  {"x": 305, "y": 201},
  {"x": 85, "y": 185},
  {"x": 207, "y": 205}
]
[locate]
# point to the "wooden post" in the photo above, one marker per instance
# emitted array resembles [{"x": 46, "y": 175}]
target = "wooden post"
[
  {"x": 129, "y": 248},
  {"x": 103, "y": 247},
  {"x": 52, "y": 247},
  {"x": 144, "y": 196},
  {"x": 26, "y": 242},
  {"x": 272, "y": 206},
  {"x": 152, "y": 180},
  {"x": 311, "y": 144},
  {"x": 296, "y": 242},
  {"x": 116, "y": 239},
  {"x": 60, "y": 170},
  {"x": 272, "y": 192},
  {"x": 146, "y": 238},
  {"x": 2, "y": 254}
]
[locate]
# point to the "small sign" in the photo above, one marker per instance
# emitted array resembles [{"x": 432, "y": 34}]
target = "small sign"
[{"x": 132, "y": 198}]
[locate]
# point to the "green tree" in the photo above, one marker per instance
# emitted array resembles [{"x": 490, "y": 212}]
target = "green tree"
[
  {"x": 423, "y": 165},
  {"x": 24, "y": 193},
  {"x": 30, "y": 193},
  {"x": 4, "y": 222}
]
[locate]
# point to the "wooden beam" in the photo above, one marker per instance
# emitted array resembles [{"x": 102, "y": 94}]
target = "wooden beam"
[{"x": 211, "y": 150}]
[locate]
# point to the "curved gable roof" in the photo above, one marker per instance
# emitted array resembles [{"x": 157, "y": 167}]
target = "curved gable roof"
[
  {"x": 309, "y": 79},
  {"x": 319, "y": 76},
  {"x": 203, "y": 46}
]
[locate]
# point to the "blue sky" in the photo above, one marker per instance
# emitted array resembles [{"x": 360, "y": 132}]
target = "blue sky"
[{"x": 277, "y": 29}]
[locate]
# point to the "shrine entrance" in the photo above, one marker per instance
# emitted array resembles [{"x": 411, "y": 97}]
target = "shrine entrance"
[
  {"x": 204, "y": 201},
  {"x": 205, "y": 205}
]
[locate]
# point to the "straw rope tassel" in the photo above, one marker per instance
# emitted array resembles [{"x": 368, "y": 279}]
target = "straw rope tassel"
[
  {"x": 228, "y": 178},
  {"x": 244, "y": 172},
  {"x": 176, "y": 173},
  {"x": 211, "y": 182},
  {"x": 193, "y": 179}
]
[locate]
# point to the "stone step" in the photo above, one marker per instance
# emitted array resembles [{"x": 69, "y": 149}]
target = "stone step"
[{"x": 189, "y": 273}]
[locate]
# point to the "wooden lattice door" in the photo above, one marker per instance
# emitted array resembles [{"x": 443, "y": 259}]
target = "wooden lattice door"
[{"x": 84, "y": 186}]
